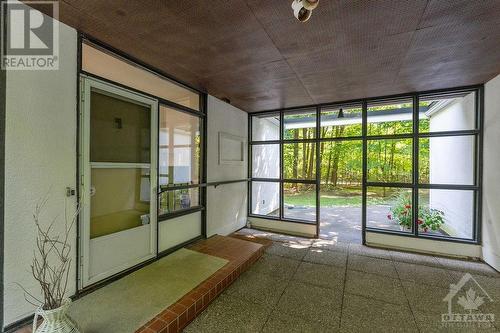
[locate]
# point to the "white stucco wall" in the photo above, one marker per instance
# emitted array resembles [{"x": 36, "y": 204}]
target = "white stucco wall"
[
  {"x": 491, "y": 174},
  {"x": 452, "y": 162},
  {"x": 40, "y": 158},
  {"x": 226, "y": 204},
  {"x": 265, "y": 164}
]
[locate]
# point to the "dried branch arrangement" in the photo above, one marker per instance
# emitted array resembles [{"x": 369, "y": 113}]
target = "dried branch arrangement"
[{"x": 51, "y": 260}]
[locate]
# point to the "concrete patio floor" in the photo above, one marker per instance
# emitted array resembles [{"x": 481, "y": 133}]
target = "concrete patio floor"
[{"x": 303, "y": 285}]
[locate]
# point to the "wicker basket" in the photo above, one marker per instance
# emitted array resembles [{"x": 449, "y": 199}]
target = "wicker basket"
[{"x": 55, "y": 321}]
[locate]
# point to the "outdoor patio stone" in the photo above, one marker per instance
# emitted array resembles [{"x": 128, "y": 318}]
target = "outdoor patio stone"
[
  {"x": 259, "y": 288},
  {"x": 415, "y": 258},
  {"x": 375, "y": 286},
  {"x": 473, "y": 267},
  {"x": 321, "y": 275},
  {"x": 317, "y": 304},
  {"x": 367, "y": 251},
  {"x": 425, "y": 297},
  {"x": 360, "y": 314},
  {"x": 424, "y": 274},
  {"x": 276, "y": 266},
  {"x": 292, "y": 250},
  {"x": 325, "y": 257},
  {"x": 372, "y": 265},
  {"x": 230, "y": 314},
  {"x": 280, "y": 322},
  {"x": 331, "y": 245}
]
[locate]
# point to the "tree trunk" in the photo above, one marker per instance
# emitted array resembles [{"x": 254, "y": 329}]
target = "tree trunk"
[{"x": 295, "y": 155}]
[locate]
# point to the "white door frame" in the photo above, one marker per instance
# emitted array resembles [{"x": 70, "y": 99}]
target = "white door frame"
[{"x": 87, "y": 85}]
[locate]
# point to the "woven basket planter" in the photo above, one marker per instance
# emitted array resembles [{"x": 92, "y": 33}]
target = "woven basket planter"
[{"x": 55, "y": 321}]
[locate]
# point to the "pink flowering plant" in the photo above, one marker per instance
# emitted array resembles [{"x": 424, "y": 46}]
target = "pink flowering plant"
[{"x": 428, "y": 219}]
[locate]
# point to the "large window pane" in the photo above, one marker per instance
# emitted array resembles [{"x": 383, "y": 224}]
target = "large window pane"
[
  {"x": 389, "y": 208},
  {"x": 266, "y": 127},
  {"x": 179, "y": 149},
  {"x": 175, "y": 200},
  {"x": 390, "y": 161},
  {"x": 299, "y": 201},
  {"x": 299, "y": 124},
  {"x": 447, "y": 160},
  {"x": 266, "y": 198},
  {"x": 299, "y": 160},
  {"x": 114, "y": 68},
  {"x": 454, "y": 112},
  {"x": 448, "y": 213},
  {"x": 390, "y": 117},
  {"x": 341, "y": 121},
  {"x": 266, "y": 161},
  {"x": 119, "y": 130}
]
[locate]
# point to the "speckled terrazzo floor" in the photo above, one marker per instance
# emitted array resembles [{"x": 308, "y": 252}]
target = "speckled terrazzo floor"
[{"x": 303, "y": 285}]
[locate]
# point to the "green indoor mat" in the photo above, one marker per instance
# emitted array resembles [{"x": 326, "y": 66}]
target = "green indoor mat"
[{"x": 127, "y": 304}]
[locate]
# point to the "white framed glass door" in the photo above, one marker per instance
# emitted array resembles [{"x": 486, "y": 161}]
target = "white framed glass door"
[{"x": 118, "y": 164}]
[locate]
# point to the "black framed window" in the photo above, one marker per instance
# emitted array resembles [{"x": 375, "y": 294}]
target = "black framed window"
[
  {"x": 416, "y": 160},
  {"x": 179, "y": 160}
]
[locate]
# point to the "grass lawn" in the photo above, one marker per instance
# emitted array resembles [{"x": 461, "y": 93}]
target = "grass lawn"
[{"x": 337, "y": 197}]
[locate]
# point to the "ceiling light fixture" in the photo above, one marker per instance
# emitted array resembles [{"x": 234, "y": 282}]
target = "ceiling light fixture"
[{"x": 302, "y": 9}]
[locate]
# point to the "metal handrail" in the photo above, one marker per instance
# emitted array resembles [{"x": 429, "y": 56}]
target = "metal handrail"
[{"x": 214, "y": 184}]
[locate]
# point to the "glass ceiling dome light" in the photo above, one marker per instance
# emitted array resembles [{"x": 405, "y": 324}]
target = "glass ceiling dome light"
[{"x": 302, "y": 9}]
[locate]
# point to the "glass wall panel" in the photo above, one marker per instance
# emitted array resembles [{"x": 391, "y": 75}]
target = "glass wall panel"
[
  {"x": 299, "y": 124},
  {"x": 447, "y": 160},
  {"x": 114, "y": 68},
  {"x": 175, "y": 200},
  {"x": 390, "y": 117},
  {"x": 454, "y": 112},
  {"x": 390, "y": 160},
  {"x": 447, "y": 213},
  {"x": 389, "y": 208},
  {"x": 266, "y": 198},
  {"x": 179, "y": 147},
  {"x": 341, "y": 121},
  {"x": 266, "y": 127},
  {"x": 266, "y": 161},
  {"x": 299, "y": 201},
  {"x": 299, "y": 160}
]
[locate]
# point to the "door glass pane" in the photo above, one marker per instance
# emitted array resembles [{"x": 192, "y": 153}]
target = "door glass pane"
[
  {"x": 266, "y": 127},
  {"x": 447, "y": 213},
  {"x": 175, "y": 200},
  {"x": 120, "y": 200},
  {"x": 266, "y": 161},
  {"x": 447, "y": 160},
  {"x": 341, "y": 190},
  {"x": 389, "y": 208},
  {"x": 390, "y": 117},
  {"x": 299, "y": 201},
  {"x": 179, "y": 150},
  {"x": 119, "y": 130},
  {"x": 266, "y": 198},
  {"x": 390, "y": 160},
  {"x": 454, "y": 112},
  {"x": 341, "y": 121},
  {"x": 299, "y": 124},
  {"x": 299, "y": 160}
]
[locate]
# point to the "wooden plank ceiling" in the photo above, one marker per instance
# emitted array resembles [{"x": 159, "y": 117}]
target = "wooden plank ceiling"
[{"x": 257, "y": 55}]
